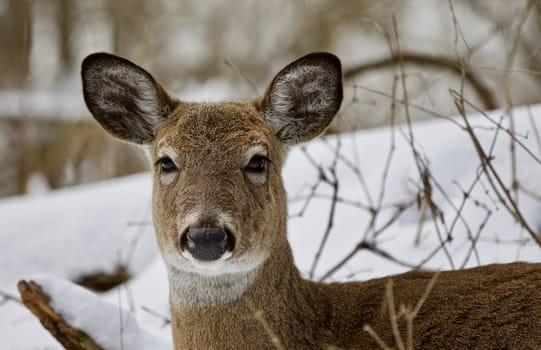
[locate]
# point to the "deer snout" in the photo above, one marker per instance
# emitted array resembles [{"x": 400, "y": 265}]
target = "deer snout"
[{"x": 207, "y": 243}]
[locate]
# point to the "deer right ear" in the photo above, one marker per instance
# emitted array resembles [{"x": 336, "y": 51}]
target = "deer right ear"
[
  {"x": 124, "y": 98},
  {"x": 304, "y": 97}
]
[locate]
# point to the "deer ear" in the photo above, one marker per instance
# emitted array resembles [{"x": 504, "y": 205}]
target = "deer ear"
[
  {"x": 124, "y": 98},
  {"x": 304, "y": 97}
]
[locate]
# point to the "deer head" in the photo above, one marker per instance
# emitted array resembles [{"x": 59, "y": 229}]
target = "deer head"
[{"x": 219, "y": 206}]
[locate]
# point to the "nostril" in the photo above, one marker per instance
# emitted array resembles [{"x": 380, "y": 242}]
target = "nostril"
[
  {"x": 207, "y": 243},
  {"x": 207, "y": 236}
]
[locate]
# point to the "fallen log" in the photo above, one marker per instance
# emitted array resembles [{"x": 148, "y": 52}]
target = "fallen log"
[{"x": 38, "y": 303}]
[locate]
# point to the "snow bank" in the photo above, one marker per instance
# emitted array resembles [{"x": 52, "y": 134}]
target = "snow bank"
[
  {"x": 454, "y": 165},
  {"x": 111, "y": 326},
  {"x": 78, "y": 231}
]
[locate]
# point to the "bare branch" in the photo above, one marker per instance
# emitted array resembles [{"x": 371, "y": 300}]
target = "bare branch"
[
  {"x": 479, "y": 87},
  {"x": 496, "y": 182}
]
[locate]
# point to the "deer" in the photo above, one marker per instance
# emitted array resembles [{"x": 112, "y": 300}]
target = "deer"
[{"x": 219, "y": 212}]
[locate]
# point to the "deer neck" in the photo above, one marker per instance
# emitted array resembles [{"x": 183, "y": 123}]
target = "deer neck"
[
  {"x": 276, "y": 276},
  {"x": 253, "y": 306}
]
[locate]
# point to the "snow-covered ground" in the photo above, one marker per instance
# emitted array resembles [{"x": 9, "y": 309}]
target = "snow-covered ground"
[{"x": 90, "y": 228}]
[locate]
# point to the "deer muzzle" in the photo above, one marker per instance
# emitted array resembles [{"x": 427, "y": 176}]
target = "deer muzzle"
[{"x": 207, "y": 243}]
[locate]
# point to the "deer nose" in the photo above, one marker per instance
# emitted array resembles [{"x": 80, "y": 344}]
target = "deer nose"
[{"x": 207, "y": 243}]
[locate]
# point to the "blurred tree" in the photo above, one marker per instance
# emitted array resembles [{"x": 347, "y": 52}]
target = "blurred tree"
[
  {"x": 208, "y": 50},
  {"x": 14, "y": 42}
]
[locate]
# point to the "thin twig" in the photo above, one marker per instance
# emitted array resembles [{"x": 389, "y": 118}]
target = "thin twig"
[
  {"x": 389, "y": 296},
  {"x": 418, "y": 160},
  {"x": 166, "y": 320},
  {"x": 8, "y": 297},
  {"x": 497, "y": 184},
  {"x": 259, "y": 316},
  {"x": 235, "y": 69},
  {"x": 535, "y": 129},
  {"x": 376, "y": 337},
  {"x": 506, "y": 85},
  {"x": 410, "y": 316},
  {"x": 330, "y": 221},
  {"x": 512, "y": 134}
]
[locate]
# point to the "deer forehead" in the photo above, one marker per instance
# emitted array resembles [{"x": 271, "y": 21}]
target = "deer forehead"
[{"x": 232, "y": 131}]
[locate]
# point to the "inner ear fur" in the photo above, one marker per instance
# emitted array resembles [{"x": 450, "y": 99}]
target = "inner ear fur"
[
  {"x": 124, "y": 98},
  {"x": 304, "y": 97}
]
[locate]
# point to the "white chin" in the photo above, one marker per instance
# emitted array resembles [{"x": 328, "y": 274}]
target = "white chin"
[
  {"x": 208, "y": 268},
  {"x": 226, "y": 264}
]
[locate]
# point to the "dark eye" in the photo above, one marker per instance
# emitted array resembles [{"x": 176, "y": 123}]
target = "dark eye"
[
  {"x": 166, "y": 164},
  {"x": 257, "y": 164}
]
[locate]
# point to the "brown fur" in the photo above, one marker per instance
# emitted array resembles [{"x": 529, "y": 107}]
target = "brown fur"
[
  {"x": 489, "y": 307},
  {"x": 492, "y": 307}
]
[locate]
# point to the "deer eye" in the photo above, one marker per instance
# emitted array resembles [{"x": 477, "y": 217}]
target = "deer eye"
[
  {"x": 257, "y": 164},
  {"x": 166, "y": 165}
]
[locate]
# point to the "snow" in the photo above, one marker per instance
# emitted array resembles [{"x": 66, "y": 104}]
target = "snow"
[
  {"x": 43, "y": 103},
  {"x": 452, "y": 162},
  {"x": 76, "y": 231},
  {"x": 112, "y": 327},
  {"x": 89, "y": 228}
]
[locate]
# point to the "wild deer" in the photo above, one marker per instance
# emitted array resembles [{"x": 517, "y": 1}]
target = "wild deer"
[{"x": 219, "y": 212}]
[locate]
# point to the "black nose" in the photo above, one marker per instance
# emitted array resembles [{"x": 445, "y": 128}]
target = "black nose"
[{"x": 207, "y": 243}]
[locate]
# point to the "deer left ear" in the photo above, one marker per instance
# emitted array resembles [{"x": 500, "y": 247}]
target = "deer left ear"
[
  {"x": 124, "y": 98},
  {"x": 304, "y": 97}
]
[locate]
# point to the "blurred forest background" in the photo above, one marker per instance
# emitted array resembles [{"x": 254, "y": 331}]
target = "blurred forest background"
[{"x": 213, "y": 50}]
